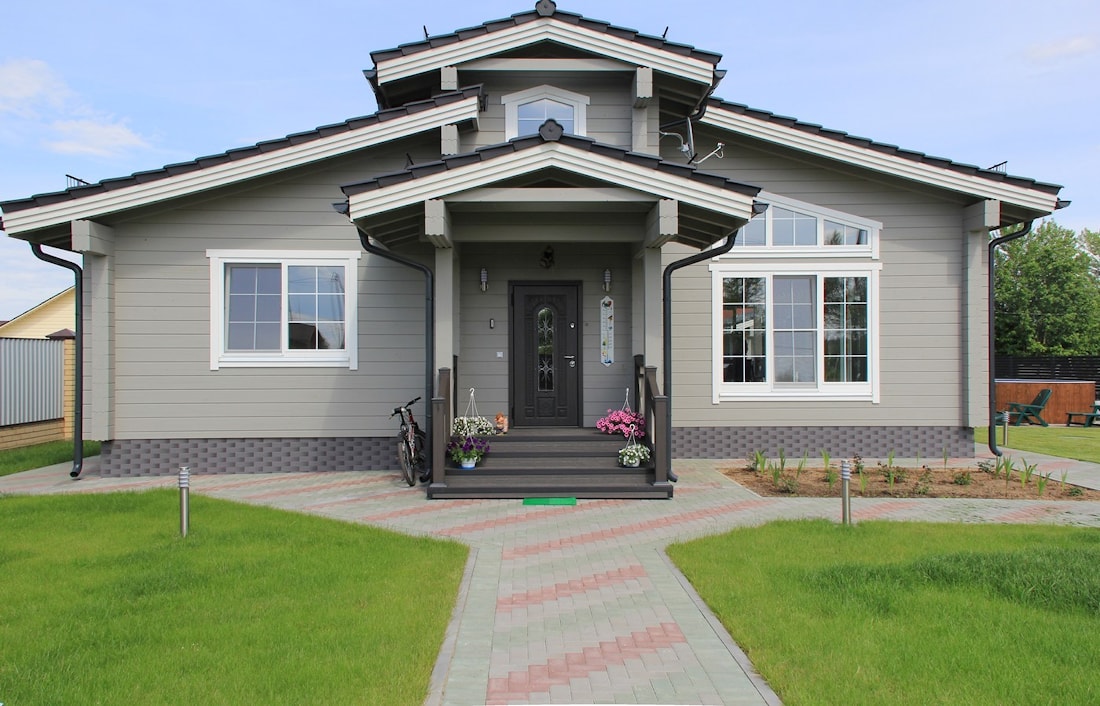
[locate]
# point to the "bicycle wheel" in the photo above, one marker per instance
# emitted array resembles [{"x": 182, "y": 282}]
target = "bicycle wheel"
[
  {"x": 406, "y": 458},
  {"x": 420, "y": 465}
]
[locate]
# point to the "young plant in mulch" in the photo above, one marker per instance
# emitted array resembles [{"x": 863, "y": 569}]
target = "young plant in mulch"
[
  {"x": 801, "y": 465},
  {"x": 962, "y": 478},
  {"x": 831, "y": 477},
  {"x": 1042, "y": 481},
  {"x": 759, "y": 461}
]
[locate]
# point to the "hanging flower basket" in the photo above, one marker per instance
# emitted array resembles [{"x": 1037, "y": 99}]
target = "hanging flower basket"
[
  {"x": 622, "y": 421},
  {"x": 472, "y": 423},
  {"x": 633, "y": 454}
]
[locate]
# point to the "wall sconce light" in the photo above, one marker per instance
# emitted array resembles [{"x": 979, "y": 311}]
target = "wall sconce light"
[
  {"x": 484, "y": 279},
  {"x": 607, "y": 280}
]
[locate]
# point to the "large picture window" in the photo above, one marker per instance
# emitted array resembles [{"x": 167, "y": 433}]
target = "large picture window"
[
  {"x": 282, "y": 308},
  {"x": 796, "y": 307}
]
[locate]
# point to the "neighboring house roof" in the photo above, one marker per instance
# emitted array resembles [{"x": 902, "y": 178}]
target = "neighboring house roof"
[
  {"x": 43, "y": 319},
  {"x": 544, "y": 23},
  {"x": 881, "y": 157},
  {"x": 551, "y": 149},
  {"x": 204, "y": 173}
]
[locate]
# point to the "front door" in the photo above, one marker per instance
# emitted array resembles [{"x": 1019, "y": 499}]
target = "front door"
[{"x": 546, "y": 374}]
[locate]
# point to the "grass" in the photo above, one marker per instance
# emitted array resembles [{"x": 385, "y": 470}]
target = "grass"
[
  {"x": 40, "y": 455},
  {"x": 908, "y": 613},
  {"x": 1081, "y": 443},
  {"x": 102, "y": 601}
]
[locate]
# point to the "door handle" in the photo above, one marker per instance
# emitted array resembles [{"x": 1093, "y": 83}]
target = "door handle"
[{"x": 572, "y": 360}]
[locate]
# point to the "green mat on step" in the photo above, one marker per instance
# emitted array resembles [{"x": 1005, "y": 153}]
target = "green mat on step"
[{"x": 549, "y": 501}]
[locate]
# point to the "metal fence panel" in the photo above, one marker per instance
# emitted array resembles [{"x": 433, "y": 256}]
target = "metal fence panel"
[
  {"x": 1082, "y": 367},
  {"x": 32, "y": 380}
]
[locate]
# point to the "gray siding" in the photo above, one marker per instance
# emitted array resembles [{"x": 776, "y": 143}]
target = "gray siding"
[
  {"x": 164, "y": 387},
  {"x": 921, "y": 301}
]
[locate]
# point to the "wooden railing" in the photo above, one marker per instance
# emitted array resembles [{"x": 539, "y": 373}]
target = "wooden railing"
[
  {"x": 655, "y": 408},
  {"x": 442, "y": 410}
]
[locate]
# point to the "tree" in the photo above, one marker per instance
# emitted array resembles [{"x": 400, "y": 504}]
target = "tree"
[{"x": 1048, "y": 294}]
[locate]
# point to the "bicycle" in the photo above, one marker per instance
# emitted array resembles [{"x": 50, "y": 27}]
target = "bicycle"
[{"x": 410, "y": 445}]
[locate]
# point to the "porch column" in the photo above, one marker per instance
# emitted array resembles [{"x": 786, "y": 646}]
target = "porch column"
[
  {"x": 978, "y": 220},
  {"x": 437, "y": 228},
  {"x": 662, "y": 224},
  {"x": 97, "y": 243}
]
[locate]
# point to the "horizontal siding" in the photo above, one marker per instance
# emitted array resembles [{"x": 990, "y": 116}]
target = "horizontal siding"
[{"x": 921, "y": 292}]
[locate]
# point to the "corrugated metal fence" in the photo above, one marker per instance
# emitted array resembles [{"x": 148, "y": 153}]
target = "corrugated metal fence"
[{"x": 32, "y": 380}]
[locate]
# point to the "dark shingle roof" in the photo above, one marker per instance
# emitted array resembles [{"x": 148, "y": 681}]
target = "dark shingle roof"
[
  {"x": 484, "y": 154},
  {"x": 894, "y": 150},
  {"x": 239, "y": 153},
  {"x": 532, "y": 15}
]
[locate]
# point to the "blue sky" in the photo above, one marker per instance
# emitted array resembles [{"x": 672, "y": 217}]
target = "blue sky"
[{"x": 101, "y": 90}]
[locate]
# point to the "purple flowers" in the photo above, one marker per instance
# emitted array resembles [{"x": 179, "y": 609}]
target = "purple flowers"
[
  {"x": 469, "y": 448},
  {"x": 620, "y": 421}
]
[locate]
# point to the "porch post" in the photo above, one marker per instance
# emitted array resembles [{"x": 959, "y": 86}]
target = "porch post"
[{"x": 446, "y": 309}]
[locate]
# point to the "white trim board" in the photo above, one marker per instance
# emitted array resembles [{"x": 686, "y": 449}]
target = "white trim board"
[
  {"x": 877, "y": 161},
  {"x": 543, "y": 29},
  {"x": 199, "y": 180}
]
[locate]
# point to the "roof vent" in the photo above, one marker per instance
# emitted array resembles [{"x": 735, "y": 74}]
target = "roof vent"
[
  {"x": 545, "y": 8},
  {"x": 550, "y": 131}
]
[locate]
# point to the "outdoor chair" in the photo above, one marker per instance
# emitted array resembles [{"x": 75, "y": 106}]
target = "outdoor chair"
[
  {"x": 1033, "y": 412},
  {"x": 1087, "y": 418}
]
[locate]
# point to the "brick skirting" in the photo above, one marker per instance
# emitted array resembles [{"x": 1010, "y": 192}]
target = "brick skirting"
[
  {"x": 154, "y": 457},
  {"x": 840, "y": 442},
  {"x": 146, "y": 457}
]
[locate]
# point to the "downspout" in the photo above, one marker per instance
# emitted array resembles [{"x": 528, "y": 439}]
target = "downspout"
[
  {"x": 429, "y": 322},
  {"x": 667, "y": 325},
  {"x": 78, "y": 382},
  {"x": 993, "y": 244}
]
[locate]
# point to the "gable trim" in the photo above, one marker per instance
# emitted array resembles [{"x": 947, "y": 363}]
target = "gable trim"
[
  {"x": 879, "y": 161},
  {"x": 550, "y": 155},
  {"x": 543, "y": 29},
  {"x": 224, "y": 174}
]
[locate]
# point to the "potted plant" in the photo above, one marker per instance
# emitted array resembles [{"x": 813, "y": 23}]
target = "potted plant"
[
  {"x": 633, "y": 455},
  {"x": 472, "y": 426},
  {"x": 622, "y": 421},
  {"x": 468, "y": 450}
]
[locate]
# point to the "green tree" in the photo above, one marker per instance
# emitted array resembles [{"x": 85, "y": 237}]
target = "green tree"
[{"x": 1048, "y": 294}]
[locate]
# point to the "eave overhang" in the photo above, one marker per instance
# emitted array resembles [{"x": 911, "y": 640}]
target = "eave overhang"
[
  {"x": 25, "y": 216},
  {"x": 718, "y": 205},
  {"x": 467, "y": 46},
  {"x": 1030, "y": 196}
]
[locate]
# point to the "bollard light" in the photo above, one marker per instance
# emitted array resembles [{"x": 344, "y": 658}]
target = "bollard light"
[
  {"x": 845, "y": 497},
  {"x": 185, "y": 508}
]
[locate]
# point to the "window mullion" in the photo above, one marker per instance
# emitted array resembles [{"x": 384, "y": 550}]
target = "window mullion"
[{"x": 284, "y": 308}]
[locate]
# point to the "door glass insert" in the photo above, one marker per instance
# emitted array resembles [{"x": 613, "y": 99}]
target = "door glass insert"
[{"x": 544, "y": 344}]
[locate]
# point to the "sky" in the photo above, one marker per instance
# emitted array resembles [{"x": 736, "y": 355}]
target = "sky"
[{"x": 103, "y": 90}]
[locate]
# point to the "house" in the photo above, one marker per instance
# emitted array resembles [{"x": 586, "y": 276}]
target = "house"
[
  {"x": 507, "y": 221},
  {"x": 51, "y": 316}
]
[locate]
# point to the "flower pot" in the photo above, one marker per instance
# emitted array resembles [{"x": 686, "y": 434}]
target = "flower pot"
[
  {"x": 634, "y": 463},
  {"x": 469, "y": 464}
]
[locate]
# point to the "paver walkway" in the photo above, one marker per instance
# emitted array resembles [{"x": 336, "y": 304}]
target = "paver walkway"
[{"x": 573, "y": 604}]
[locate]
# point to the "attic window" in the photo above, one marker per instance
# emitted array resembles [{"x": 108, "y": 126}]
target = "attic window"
[{"x": 525, "y": 111}]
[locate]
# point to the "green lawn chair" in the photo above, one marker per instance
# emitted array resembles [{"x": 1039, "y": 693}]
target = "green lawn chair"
[{"x": 1033, "y": 412}]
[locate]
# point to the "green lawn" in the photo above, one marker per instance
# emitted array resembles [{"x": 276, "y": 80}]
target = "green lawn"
[
  {"x": 908, "y": 613},
  {"x": 101, "y": 601},
  {"x": 1081, "y": 443},
  {"x": 40, "y": 455}
]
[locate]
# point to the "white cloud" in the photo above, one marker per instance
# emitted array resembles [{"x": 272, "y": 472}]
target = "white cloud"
[
  {"x": 26, "y": 84},
  {"x": 100, "y": 138},
  {"x": 1061, "y": 49}
]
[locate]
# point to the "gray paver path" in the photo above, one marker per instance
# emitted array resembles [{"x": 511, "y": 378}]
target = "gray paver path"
[{"x": 573, "y": 604}]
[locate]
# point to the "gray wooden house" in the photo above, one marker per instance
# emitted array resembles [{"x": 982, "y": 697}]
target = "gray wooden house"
[{"x": 509, "y": 220}]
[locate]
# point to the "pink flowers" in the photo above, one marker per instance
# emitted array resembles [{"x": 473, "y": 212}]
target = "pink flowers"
[{"x": 620, "y": 421}]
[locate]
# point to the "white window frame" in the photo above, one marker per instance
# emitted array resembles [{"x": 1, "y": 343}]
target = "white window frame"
[
  {"x": 220, "y": 357},
  {"x": 513, "y": 101},
  {"x": 820, "y": 261},
  {"x": 870, "y": 249}
]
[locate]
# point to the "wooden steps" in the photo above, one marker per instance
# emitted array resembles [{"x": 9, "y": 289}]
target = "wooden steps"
[{"x": 551, "y": 462}]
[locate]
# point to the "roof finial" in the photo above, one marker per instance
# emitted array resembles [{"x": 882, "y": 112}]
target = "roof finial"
[
  {"x": 551, "y": 130},
  {"x": 545, "y": 8}
]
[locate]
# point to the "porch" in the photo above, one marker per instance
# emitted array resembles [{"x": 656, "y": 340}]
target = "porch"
[{"x": 542, "y": 462}]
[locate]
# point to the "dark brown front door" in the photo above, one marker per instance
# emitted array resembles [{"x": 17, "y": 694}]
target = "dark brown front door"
[{"x": 546, "y": 373}]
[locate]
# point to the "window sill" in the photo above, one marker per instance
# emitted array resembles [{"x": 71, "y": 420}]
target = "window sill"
[{"x": 282, "y": 363}]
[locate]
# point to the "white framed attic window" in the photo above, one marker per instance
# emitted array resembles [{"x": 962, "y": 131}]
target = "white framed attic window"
[
  {"x": 525, "y": 111},
  {"x": 283, "y": 308}
]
